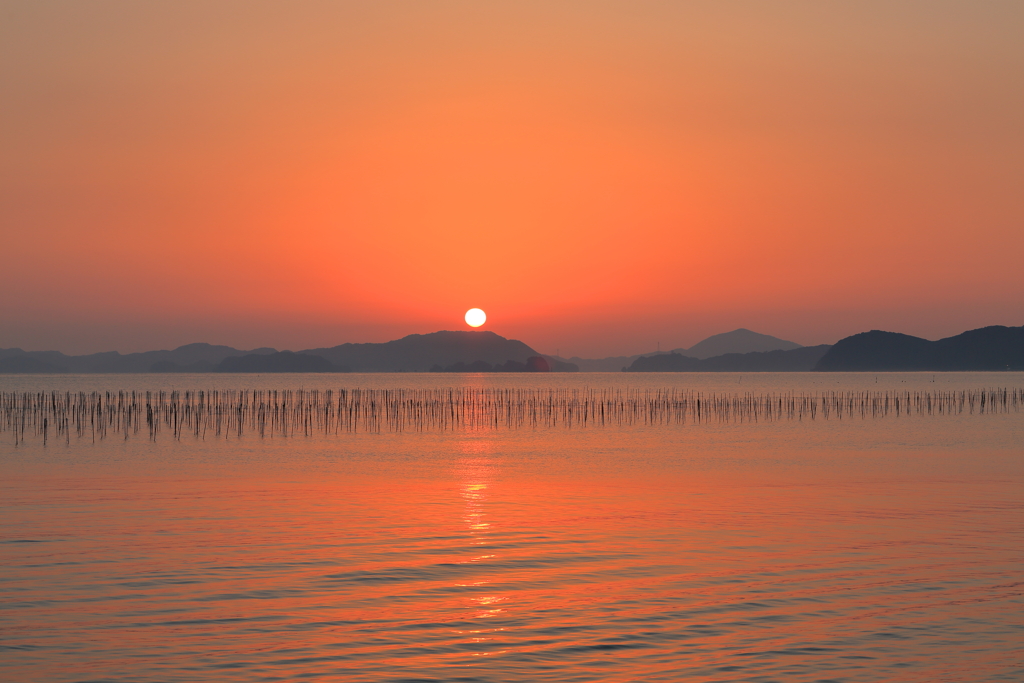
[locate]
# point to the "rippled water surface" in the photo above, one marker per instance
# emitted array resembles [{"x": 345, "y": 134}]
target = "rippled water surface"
[{"x": 843, "y": 550}]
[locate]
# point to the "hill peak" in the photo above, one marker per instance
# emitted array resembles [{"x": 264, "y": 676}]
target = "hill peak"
[
  {"x": 740, "y": 340},
  {"x": 421, "y": 352}
]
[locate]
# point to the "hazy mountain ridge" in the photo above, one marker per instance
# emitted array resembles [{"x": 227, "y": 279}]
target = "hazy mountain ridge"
[
  {"x": 198, "y": 357},
  {"x": 532, "y": 364},
  {"x": 413, "y": 353},
  {"x": 280, "y": 361},
  {"x": 802, "y": 359},
  {"x": 610, "y": 364},
  {"x": 740, "y": 341},
  {"x": 990, "y": 348},
  {"x": 423, "y": 352}
]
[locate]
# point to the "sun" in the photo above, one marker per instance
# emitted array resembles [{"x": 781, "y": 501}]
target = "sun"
[{"x": 475, "y": 317}]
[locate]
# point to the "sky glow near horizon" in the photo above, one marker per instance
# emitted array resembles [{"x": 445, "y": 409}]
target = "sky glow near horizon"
[{"x": 599, "y": 176}]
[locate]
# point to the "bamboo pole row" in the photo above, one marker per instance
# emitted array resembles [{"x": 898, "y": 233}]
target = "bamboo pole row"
[{"x": 269, "y": 413}]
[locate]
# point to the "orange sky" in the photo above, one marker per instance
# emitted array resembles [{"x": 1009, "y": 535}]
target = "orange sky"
[{"x": 598, "y": 176}]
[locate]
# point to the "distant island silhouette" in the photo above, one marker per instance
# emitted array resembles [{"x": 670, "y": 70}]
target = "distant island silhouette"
[
  {"x": 532, "y": 364},
  {"x": 988, "y": 348},
  {"x": 800, "y": 359},
  {"x": 737, "y": 341},
  {"x": 426, "y": 352},
  {"x": 280, "y": 361},
  {"x": 445, "y": 351}
]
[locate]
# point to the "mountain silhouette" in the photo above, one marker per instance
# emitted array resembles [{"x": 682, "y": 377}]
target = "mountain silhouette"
[
  {"x": 281, "y": 361},
  {"x": 801, "y": 359},
  {"x": 188, "y": 358},
  {"x": 610, "y": 364},
  {"x": 421, "y": 352},
  {"x": 23, "y": 363},
  {"x": 737, "y": 341},
  {"x": 987, "y": 348},
  {"x": 413, "y": 353},
  {"x": 532, "y": 364}
]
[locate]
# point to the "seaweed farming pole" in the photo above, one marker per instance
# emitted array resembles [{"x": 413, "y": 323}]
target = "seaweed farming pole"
[{"x": 286, "y": 413}]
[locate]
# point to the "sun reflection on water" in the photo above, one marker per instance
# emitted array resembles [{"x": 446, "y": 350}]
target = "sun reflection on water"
[{"x": 476, "y": 470}]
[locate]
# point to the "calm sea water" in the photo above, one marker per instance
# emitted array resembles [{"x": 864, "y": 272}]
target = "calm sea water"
[{"x": 884, "y": 549}]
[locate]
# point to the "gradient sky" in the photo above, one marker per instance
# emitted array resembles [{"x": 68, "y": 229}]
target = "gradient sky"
[{"x": 598, "y": 176}]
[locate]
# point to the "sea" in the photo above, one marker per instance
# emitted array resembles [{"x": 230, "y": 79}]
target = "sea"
[{"x": 861, "y": 547}]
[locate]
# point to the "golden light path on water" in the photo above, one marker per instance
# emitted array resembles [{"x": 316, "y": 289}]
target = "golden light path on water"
[{"x": 849, "y": 550}]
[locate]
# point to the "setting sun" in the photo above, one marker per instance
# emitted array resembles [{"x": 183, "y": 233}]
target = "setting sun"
[{"x": 475, "y": 317}]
